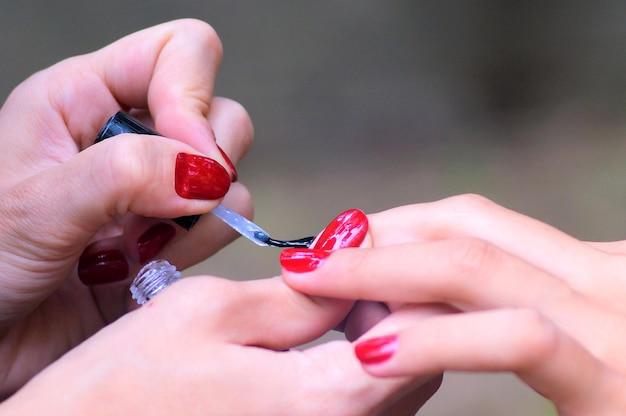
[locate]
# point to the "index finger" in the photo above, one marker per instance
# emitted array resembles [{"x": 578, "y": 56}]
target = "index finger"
[{"x": 169, "y": 69}]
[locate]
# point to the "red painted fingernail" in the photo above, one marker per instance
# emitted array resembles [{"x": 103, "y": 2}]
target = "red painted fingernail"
[
  {"x": 348, "y": 229},
  {"x": 376, "y": 350},
  {"x": 104, "y": 266},
  {"x": 200, "y": 177},
  {"x": 154, "y": 239},
  {"x": 231, "y": 165},
  {"x": 302, "y": 260}
]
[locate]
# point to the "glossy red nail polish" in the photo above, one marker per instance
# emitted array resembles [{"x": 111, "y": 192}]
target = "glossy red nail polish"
[
  {"x": 348, "y": 229},
  {"x": 153, "y": 240},
  {"x": 200, "y": 177},
  {"x": 231, "y": 165},
  {"x": 104, "y": 266},
  {"x": 302, "y": 260},
  {"x": 376, "y": 350}
]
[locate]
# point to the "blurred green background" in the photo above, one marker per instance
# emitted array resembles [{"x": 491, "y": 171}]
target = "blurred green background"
[{"x": 375, "y": 104}]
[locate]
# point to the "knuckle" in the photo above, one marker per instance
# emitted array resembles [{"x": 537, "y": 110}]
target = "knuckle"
[
  {"x": 50, "y": 85},
  {"x": 203, "y": 33},
  {"x": 538, "y": 338},
  {"x": 472, "y": 256},
  {"x": 470, "y": 203}
]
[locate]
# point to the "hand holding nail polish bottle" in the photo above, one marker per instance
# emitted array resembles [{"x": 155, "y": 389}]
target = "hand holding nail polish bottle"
[{"x": 63, "y": 196}]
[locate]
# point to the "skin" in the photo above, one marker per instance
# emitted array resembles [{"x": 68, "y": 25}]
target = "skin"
[
  {"x": 58, "y": 193},
  {"x": 470, "y": 285},
  {"x": 474, "y": 286},
  {"x": 200, "y": 344},
  {"x": 211, "y": 353}
]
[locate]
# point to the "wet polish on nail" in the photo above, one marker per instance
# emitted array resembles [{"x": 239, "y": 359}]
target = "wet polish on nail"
[
  {"x": 104, "y": 266},
  {"x": 348, "y": 229},
  {"x": 302, "y": 260},
  {"x": 376, "y": 350},
  {"x": 200, "y": 177},
  {"x": 153, "y": 240}
]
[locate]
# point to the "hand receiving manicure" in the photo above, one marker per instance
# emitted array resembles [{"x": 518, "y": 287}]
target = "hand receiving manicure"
[
  {"x": 62, "y": 196},
  {"x": 476, "y": 287}
]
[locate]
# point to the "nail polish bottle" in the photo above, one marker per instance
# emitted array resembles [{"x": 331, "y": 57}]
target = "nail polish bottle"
[{"x": 121, "y": 123}]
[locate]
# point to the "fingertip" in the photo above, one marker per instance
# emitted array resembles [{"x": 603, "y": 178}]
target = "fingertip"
[{"x": 203, "y": 33}]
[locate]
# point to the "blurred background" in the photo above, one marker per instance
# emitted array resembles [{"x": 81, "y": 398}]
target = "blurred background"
[{"x": 375, "y": 104}]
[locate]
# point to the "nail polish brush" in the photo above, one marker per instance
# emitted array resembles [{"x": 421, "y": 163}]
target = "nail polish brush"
[
  {"x": 253, "y": 232},
  {"x": 121, "y": 123}
]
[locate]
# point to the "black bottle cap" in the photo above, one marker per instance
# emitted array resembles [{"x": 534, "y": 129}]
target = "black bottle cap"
[{"x": 121, "y": 123}]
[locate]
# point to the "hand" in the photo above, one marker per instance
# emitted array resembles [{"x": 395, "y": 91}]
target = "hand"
[
  {"x": 209, "y": 346},
  {"x": 56, "y": 199},
  {"x": 519, "y": 296},
  {"x": 349, "y": 229}
]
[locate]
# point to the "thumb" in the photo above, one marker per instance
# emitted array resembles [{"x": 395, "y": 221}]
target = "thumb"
[
  {"x": 333, "y": 369},
  {"x": 46, "y": 220}
]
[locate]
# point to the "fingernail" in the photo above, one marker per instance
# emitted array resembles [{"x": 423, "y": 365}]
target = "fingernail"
[
  {"x": 101, "y": 267},
  {"x": 231, "y": 165},
  {"x": 348, "y": 229},
  {"x": 200, "y": 177},
  {"x": 376, "y": 350},
  {"x": 153, "y": 240},
  {"x": 302, "y": 260}
]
